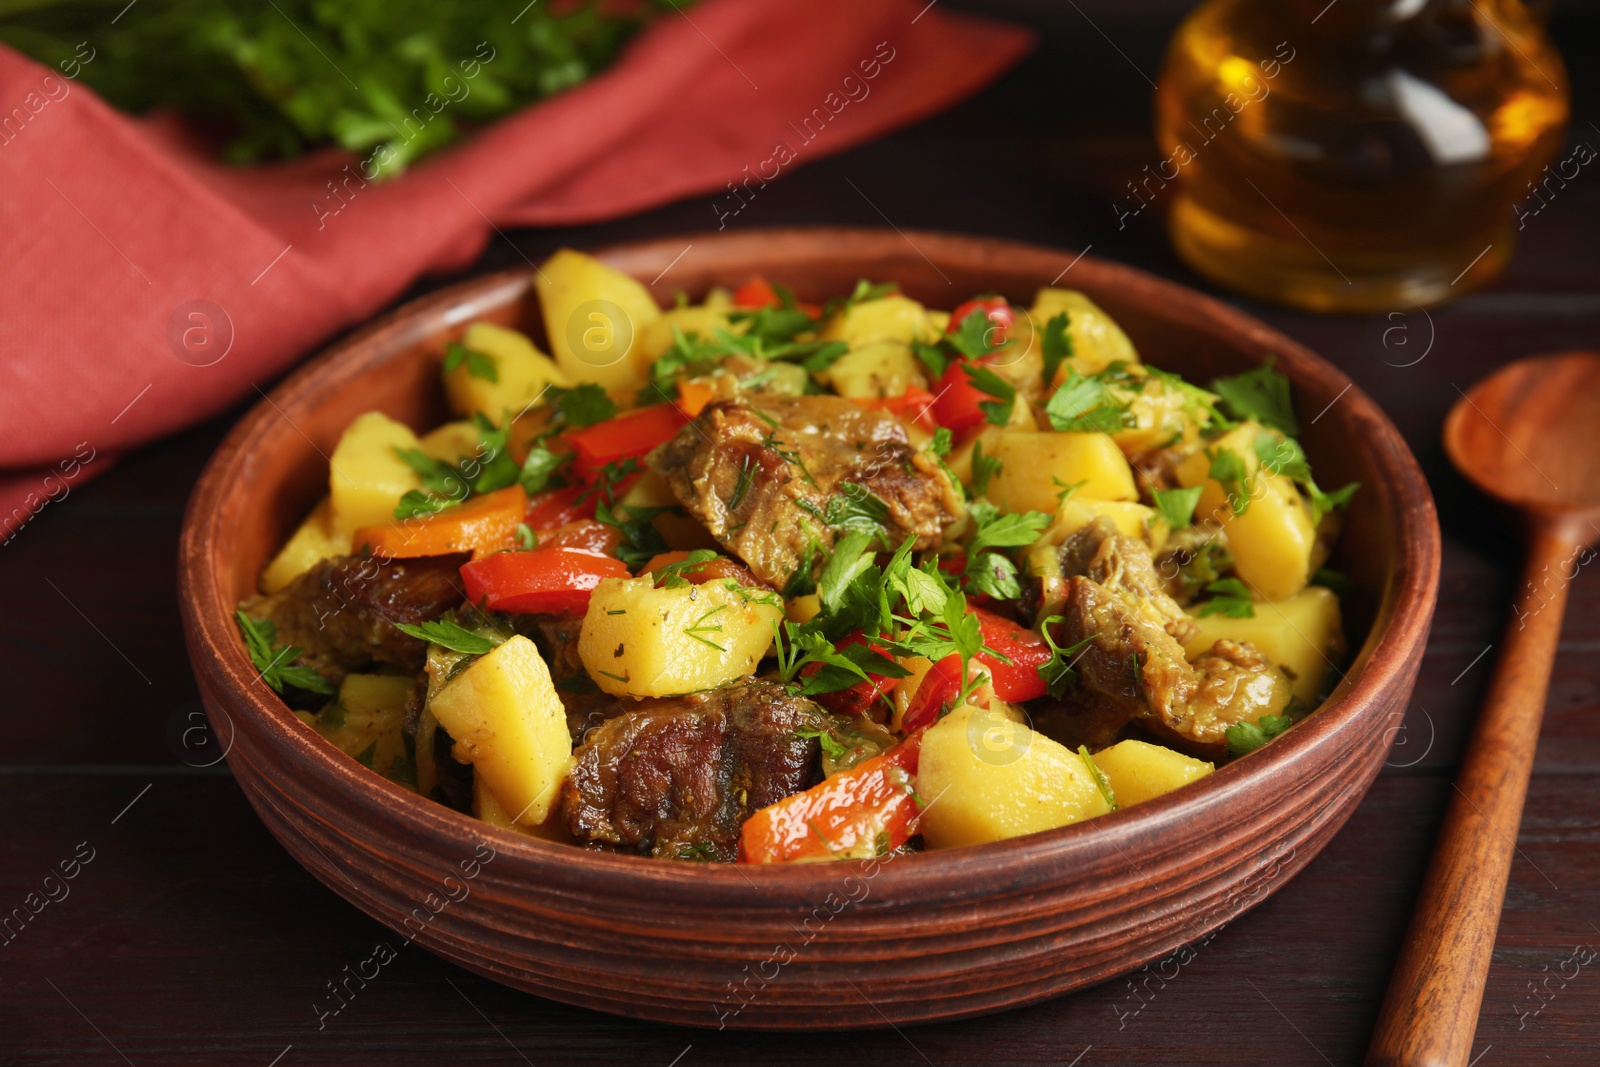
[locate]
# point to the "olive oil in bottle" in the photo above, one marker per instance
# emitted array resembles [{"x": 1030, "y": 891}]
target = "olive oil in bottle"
[{"x": 1356, "y": 155}]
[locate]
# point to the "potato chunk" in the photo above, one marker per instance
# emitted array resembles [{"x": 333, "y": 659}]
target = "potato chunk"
[
  {"x": 367, "y": 478},
  {"x": 882, "y": 368},
  {"x": 1302, "y": 634},
  {"x": 596, "y": 318},
  {"x": 1097, "y": 341},
  {"x": 1139, "y": 771},
  {"x": 507, "y": 721},
  {"x": 890, "y": 318},
  {"x": 521, "y": 374},
  {"x": 986, "y": 777},
  {"x": 641, "y": 641},
  {"x": 1036, "y": 468},
  {"x": 366, "y": 723},
  {"x": 701, "y": 319},
  {"x": 1273, "y": 538},
  {"x": 312, "y": 543}
]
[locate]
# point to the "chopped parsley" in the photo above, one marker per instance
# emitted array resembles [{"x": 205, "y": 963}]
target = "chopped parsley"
[
  {"x": 986, "y": 381},
  {"x": 984, "y": 469},
  {"x": 1058, "y": 673},
  {"x": 274, "y": 661},
  {"x": 1055, "y": 346},
  {"x": 583, "y": 406},
  {"x": 1246, "y": 737},
  {"x": 1229, "y": 471},
  {"x": 641, "y": 541},
  {"x": 1261, "y": 394},
  {"x": 479, "y": 364},
  {"x": 452, "y": 635},
  {"x": 992, "y": 572},
  {"x": 1229, "y": 597},
  {"x": 1083, "y": 405},
  {"x": 856, "y": 508},
  {"x": 1177, "y": 506}
]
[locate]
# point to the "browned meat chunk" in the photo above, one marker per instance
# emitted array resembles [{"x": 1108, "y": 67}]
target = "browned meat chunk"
[
  {"x": 1134, "y": 668},
  {"x": 770, "y": 476},
  {"x": 343, "y": 611},
  {"x": 677, "y": 778}
]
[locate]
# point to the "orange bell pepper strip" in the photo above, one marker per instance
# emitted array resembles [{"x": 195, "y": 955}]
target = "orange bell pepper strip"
[
  {"x": 483, "y": 523},
  {"x": 871, "y": 809},
  {"x": 694, "y": 396}
]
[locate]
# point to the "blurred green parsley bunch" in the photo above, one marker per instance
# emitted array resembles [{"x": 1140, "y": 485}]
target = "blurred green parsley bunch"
[{"x": 393, "y": 78}]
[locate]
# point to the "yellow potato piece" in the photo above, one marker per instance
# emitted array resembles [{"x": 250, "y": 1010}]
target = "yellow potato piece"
[
  {"x": 508, "y": 722},
  {"x": 367, "y": 723},
  {"x": 309, "y": 545},
  {"x": 522, "y": 374},
  {"x": 891, "y": 318},
  {"x": 882, "y": 368},
  {"x": 986, "y": 777},
  {"x": 1097, "y": 341},
  {"x": 1139, "y": 771},
  {"x": 1037, "y": 467},
  {"x": 702, "y": 320},
  {"x": 1273, "y": 540},
  {"x": 641, "y": 641},
  {"x": 366, "y": 478},
  {"x": 486, "y": 807},
  {"x": 1302, "y": 634},
  {"x": 595, "y": 318},
  {"x": 1132, "y": 520}
]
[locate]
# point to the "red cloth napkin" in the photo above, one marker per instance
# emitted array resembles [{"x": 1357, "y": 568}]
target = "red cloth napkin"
[{"x": 118, "y": 225}]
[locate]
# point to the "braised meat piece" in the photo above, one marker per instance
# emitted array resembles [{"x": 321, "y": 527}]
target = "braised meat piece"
[
  {"x": 678, "y": 777},
  {"x": 770, "y": 476},
  {"x": 1133, "y": 665},
  {"x": 343, "y": 611}
]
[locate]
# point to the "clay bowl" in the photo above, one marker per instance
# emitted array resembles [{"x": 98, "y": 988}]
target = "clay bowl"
[{"x": 938, "y": 935}]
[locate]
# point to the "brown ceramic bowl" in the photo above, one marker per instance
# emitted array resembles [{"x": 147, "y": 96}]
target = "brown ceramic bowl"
[{"x": 937, "y": 935}]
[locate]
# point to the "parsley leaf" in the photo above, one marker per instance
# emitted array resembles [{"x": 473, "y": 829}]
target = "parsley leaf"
[
  {"x": 856, "y": 508},
  {"x": 1177, "y": 505},
  {"x": 1082, "y": 405},
  {"x": 1230, "y": 597},
  {"x": 479, "y": 364},
  {"x": 1229, "y": 471},
  {"x": 852, "y": 556},
  {"x": 539, "y": 467},
  {"x": 831, "y": 746},
  {"x": 1337, "y": 581},
  {"x": 451, "y": 635},
  {"x": 998, "y": 410},
  {"x": 494, "y": 466},
  {"x": 1058, "y": 673},
  {"x": 641, "y": 541},
  {"x": 583, "y": 406},
  {"x": 416, "y": 502},
  {"x": 1261, "y": 394},
  {"x": 984, "y": 468},
  {"x": 1283, "y": 455},
  {"x": 274, "y": 661},
  {"x": 670, "y": 576},
  {"x": 932, "y": 356},
  {"x": 1246, "y": 737},
  {"x": 863, "y": 291},
  {"x": 1056, "y": 347},
  {"x": 942, "y": 442},
  {"x": 1010, "y": 530},
  {"x": 971, "y": 335}
]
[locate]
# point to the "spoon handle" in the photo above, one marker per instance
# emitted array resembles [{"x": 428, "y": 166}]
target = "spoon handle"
[{"x": 1430, "y": 1012}]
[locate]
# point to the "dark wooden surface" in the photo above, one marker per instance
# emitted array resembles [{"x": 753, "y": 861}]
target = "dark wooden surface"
[{"x": 192, "y": 938}]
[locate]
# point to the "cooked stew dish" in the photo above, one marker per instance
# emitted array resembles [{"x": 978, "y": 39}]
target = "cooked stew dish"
[{"x": 755, "y": 580}]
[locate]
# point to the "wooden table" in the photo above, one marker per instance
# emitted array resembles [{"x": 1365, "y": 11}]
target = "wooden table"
[{"x": 190, "y": 937}]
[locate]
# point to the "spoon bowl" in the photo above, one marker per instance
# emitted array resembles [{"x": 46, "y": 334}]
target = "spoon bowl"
[{"x": 1526, "y": 434}]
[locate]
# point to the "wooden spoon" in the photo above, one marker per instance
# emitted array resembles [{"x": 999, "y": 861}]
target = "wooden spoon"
[{"x": 1528, "y": 435}]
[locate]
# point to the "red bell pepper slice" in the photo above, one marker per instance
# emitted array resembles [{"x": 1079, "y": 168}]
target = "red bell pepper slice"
[
  {"x": 712, "y": 570},
  {"x": 1018, "y": 680},
  {"x": 938, "y": 688},
  {"x": 627, "y": 436},
  {"x": 866, "y": 811},
  {"x": 759, "y": 293},
  {"x": 955, "y": 404},
  {"x": 915, "y": 404},
  {"x": 546, "y": 581},
  {"x": 558, "y": 507}
]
